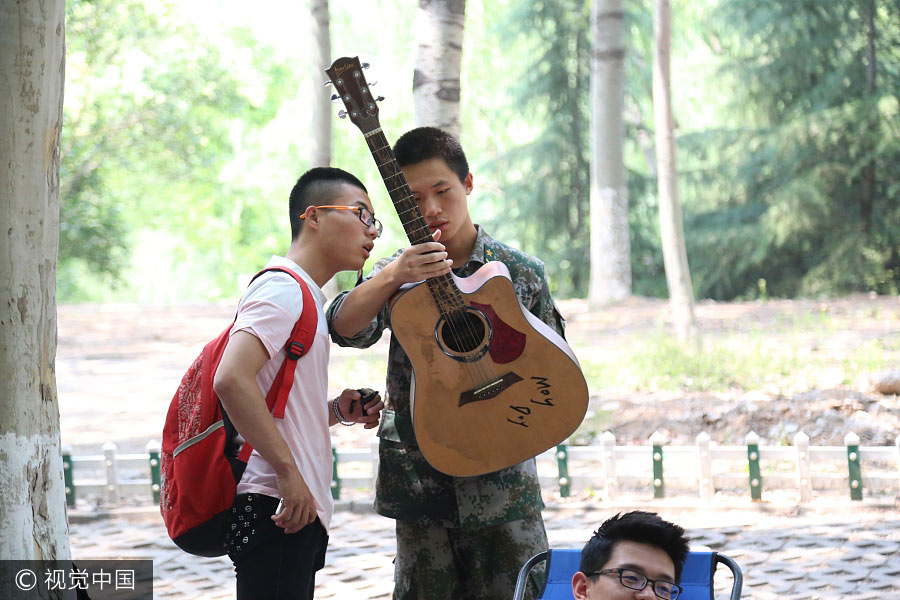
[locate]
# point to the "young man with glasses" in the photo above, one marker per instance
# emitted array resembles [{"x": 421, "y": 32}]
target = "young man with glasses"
[
  {"x": 632, "y": 556},
  {"x": 278, "y": 527},
  {"x": 457, "y": 537}
]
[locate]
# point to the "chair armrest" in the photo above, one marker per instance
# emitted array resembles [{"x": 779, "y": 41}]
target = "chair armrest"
[
  {"x": 735, "y": 572},
  {"x": 522, "y": 579}
]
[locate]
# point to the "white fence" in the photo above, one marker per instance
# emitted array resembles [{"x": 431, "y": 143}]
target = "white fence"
[{"x": 699, "y": 470}]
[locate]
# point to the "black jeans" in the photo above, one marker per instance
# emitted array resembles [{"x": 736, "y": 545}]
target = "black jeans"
[{"x": 269, "y": 563}]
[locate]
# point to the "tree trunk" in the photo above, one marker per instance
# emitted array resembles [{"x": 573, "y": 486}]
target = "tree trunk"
[
  {"x": 439, "y": 33},
  {"x": 678, "y": 275},
  {"x": 610, "y": 247},
  {"x": 320, "y": 150},
  {"x": 32, "y": 69}
]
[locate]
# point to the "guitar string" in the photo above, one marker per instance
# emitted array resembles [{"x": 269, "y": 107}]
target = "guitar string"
[
  {"x": 443, "y": 289},
  {"x": 483, "y": 372},
  {"x": 417, "y": 235},
  {"x": 450, "y": 304},
  {"x": 450, "y": 292}
]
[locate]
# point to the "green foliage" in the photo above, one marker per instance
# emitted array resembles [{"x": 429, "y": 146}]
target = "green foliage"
[
  {"x": 868, "y": 358},
  {"x": 544, "y": 174},
  {"x": 647, "y": 270},
  {"x": 179, "y": 145},
  {"x": 152, "y": 116},
  {"x": 800, "y": 191},
  {"x": 739, "y": 361},
  {"x": 545, "y": 180},
  {"x": 660, "y": 362}
]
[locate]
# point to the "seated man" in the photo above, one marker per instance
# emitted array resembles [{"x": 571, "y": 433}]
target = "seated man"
[{"x": 632, "y": 556}]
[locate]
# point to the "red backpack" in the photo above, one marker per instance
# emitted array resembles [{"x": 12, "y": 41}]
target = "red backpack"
[{"x": 199, "y": 462}]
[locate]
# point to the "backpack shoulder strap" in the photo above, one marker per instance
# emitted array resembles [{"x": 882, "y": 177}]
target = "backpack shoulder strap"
[
  {"x": 304, "y": 331},
  {"x": 297, "y": 345}
]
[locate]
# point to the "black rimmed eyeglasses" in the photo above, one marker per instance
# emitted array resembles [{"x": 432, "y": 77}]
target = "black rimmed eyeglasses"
[
  {"x": 365, "y": 215},
  {"x": 637, "y": 581}
]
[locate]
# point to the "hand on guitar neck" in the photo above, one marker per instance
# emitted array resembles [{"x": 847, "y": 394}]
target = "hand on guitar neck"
[
  {"x": 416, "y": 263},
  {"x": 419, "y": 262}
]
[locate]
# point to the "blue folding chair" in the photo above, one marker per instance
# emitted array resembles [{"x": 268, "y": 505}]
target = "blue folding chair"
[{"x": 696, "y": 577}]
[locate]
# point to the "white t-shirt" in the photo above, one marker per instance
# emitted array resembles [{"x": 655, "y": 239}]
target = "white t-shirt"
[{"x": 269, "y": 310}]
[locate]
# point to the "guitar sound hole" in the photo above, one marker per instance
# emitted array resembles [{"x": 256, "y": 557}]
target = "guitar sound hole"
[{"x": 463, "y": 332}]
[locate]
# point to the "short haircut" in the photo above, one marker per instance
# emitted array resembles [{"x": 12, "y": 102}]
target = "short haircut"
[
  {"x": 318, "y": 186},
  {"x": 637, "y": 526},
  {"x": 424, "y": 143}
]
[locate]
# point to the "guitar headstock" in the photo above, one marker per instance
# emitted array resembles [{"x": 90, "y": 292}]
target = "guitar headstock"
[{"x": 347, "y": 76}]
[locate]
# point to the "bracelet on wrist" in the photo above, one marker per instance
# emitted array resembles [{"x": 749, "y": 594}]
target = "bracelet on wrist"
[{"x": 336, "y": 410}]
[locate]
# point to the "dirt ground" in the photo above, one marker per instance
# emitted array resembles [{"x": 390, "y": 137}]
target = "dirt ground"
[
  {"x": 118, "y": 366},
  {"x": 818, "y": 401}
]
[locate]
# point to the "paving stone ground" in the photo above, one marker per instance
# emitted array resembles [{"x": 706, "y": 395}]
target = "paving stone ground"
[{"x": 837, "y": 551}]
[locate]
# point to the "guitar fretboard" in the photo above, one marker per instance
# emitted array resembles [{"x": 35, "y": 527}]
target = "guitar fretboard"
[{"x": 443, "y": 288}]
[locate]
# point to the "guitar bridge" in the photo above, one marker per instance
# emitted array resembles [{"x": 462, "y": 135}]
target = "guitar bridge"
[{"x": 490, "y": 390}]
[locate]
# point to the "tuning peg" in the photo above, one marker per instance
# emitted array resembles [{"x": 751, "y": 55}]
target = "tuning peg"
[
  {"x": 335, "y": 97},
  {"x": 327, "y": 83},
  {"x": 342, "y": 114},
  {"x": 379, "y": 98},
  {"x": 365, "y": 65}
]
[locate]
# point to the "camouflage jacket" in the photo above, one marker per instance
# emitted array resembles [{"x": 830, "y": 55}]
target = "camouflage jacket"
[{"x": 407, "y": 486}]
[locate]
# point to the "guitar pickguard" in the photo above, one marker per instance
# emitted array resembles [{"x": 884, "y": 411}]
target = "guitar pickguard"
[{"x": 507, "y": 344}]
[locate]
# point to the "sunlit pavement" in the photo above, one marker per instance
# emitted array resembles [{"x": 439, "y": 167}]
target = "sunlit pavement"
[{"x": 831, "y": 550}]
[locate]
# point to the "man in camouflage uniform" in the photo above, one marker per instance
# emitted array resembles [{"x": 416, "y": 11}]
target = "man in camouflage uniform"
[{"x": 457, "y": 537}]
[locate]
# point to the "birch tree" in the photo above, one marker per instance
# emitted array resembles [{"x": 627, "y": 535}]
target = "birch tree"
[
  {"x": 678, "y": 275},
  {"x": 610, "y": 249},
  {"x": 32, "y": 66},
  {"x": 436, "y": 88},
  {"x": 320, "y": 151}
]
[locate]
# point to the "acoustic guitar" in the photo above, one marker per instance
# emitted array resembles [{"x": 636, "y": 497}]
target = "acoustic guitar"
[{"x": 493, "y": 385}]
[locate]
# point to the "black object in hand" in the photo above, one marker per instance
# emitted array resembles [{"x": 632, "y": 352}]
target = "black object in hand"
[{"x": 366, "y": 396}]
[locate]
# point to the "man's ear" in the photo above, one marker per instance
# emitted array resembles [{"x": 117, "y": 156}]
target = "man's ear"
[
  {"x": 311, "y": 216},
  {"x": 468, "y": 183},
  {"x": 579, "y": 585}
]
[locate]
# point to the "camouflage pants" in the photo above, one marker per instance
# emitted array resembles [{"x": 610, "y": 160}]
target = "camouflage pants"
[{"x": 435, "y": 563}]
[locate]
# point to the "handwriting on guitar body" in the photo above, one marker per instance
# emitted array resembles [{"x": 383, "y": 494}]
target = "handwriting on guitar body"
[{"x": 543, "y": 391}]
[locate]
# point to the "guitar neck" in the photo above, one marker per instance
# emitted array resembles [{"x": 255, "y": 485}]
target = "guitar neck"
[
  {"x": 410, "y": 216},
  {"x": 443, "y": 288}
]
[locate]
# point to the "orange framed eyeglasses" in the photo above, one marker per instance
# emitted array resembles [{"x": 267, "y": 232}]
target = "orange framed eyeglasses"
[{"x": 365, "y": 215}]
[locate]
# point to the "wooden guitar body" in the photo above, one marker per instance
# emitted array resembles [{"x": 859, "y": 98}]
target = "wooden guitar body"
[{"x": 505, "y": 393}]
